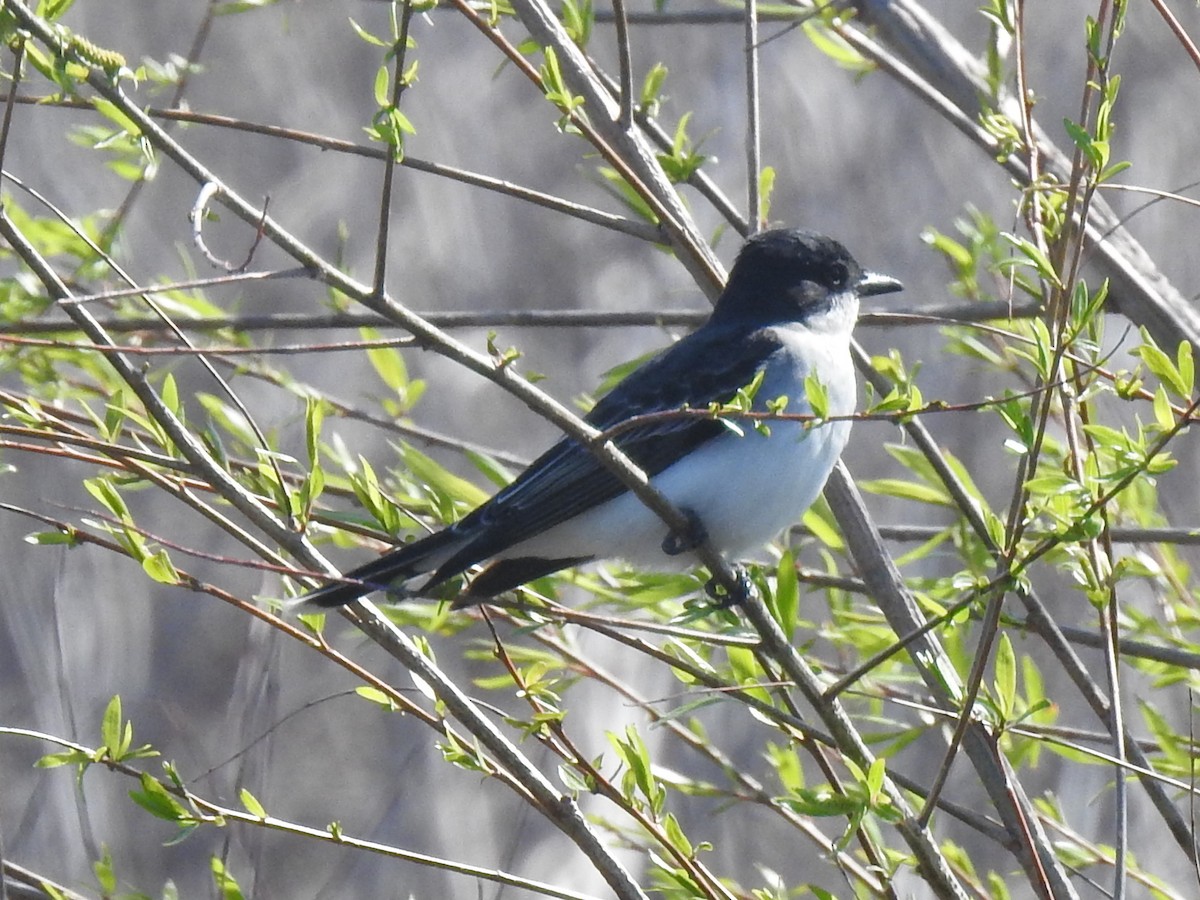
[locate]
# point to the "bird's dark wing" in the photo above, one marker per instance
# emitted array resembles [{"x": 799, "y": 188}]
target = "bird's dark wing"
[{"x": 708, "y": 366}]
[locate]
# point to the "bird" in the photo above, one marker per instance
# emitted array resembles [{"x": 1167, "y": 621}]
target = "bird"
[{"x": 785, "y": 316}]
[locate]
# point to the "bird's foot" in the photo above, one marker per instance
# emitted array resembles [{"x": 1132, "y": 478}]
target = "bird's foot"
[
  {"x": 724, "y": 598},
  {"x": 692, "y": 537}
]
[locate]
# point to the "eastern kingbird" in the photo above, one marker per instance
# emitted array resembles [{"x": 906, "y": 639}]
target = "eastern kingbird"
[{"x": 786, "y": 312}]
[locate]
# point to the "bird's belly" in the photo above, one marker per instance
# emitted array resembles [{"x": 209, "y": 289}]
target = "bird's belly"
[
  {"x": 743, "y": 489},
  {"x": 746, "y": 490}
]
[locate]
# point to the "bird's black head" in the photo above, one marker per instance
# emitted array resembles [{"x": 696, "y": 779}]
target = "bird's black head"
[{"x": 788, "y": 275}]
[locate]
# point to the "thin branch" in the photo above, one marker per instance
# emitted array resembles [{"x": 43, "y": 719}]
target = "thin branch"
[
  {"x": 897, "y": 316},
  {"x": 1122, "y": 534},
  {"x": 197, "y": 218},
  {"x": 24, "y": 879},
  {"x": 754, "y": 209},
  {"x": 398, "y": 54},
  {"x": 642, "y": 230},
  {"x": 624, "y": 66},
  {"x": 18, "y": 49},
  {"x": 1178, "y": 30}
]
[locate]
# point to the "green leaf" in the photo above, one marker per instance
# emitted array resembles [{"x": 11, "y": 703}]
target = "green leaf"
[
  {"x": 51, "y": 10},
  {"x": 387, "y": 362},
  {"x": 251, "y": 805},
  {"x": 52, "y": 537},
  {"x": 158, "y": 566},
  {"x": 766, "y": 189},
  {"x": 875, "y": 776},
  {"x": 786, "y": 597},
  {"x": 105, "y": 874},
  {"x": 111, "y": 112},
  {"x": 675, "y": 836},
  {"x": 170, "y": 394},
  {"x": 1176, "y": 379},
  {"x": 65, "y": 758},
  {"x": 652, "y": 88},
  {"x": 836, "y": 47},
  {"x": 908, "y": 490},
  {"x": 229, "y": 418},
  {"x": 1113, "y": 170},
  {"x": 1096, "y": 151},
  {"x": 227, "y": 886},
  {"x": 1164, "y": 415},
  {"x": 822, "y": 802},
  {"x": 314, "y": 417},
  {"x": 156, "y": 800},
  {"x": 819, "y": 520},
  {"x": 1040, "y": 262},
  {"x": 378, "y": 697},
  {"x": 102, "y": 489},
  {"x": 383, "y": 86},
  {"x": 430, "y": 473},
  {"x": 367, "y": 36},
  {"x": 1186, "y": 368},
  {"x": 577, "y": 18},
  {"x": 1006, "y": 677},
  {"x": 628, "y": 194},
  {"x": 636, "y": 757},
  {"x": 817, "y": 395},
  {"x": 110, "y": 726},
  {"x": 496, "y": 473}
]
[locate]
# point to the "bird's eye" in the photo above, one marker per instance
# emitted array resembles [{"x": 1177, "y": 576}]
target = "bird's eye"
[{"x": 839, "y": 275}]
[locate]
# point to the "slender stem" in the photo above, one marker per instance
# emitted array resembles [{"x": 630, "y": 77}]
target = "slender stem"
[
  {"x": 936, "y": 315},
  {"x": 754, "y": 210},
  {"x": 399, "y": 50},
  {"x": 18, "y": 49},
  {"x": 1178, "y": 30},
  {"x": 624, "y": 66}
]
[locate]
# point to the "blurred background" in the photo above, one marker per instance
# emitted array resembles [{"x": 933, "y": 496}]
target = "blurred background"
[{"x": 857, "y": 157}]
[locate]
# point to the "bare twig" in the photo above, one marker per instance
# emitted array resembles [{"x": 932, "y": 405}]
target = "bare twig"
[
  {"x": 754, "y": 210},
  {"x": 196, "y": 217},
  {"x": 18, "y": 49},
  {"x": 399, "y": 51},
  {"x": 969, "y": 313},
  {"x": 624, "y": 66},
  {"x": 1178, "y": 30}
]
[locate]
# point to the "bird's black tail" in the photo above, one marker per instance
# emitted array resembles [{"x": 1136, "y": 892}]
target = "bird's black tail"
[{"x": 386, "y": 572}]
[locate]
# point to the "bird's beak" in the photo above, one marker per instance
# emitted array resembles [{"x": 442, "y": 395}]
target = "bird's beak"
[{"x": 873, "y": 283}]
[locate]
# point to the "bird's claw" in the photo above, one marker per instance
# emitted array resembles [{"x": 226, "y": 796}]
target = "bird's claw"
[
  {"x": 726, "y": 599},
  {"x": 689, "y": 539}
]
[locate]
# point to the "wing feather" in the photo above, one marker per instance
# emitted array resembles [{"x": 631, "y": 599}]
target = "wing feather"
[{"x": 706, "y": 367}]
